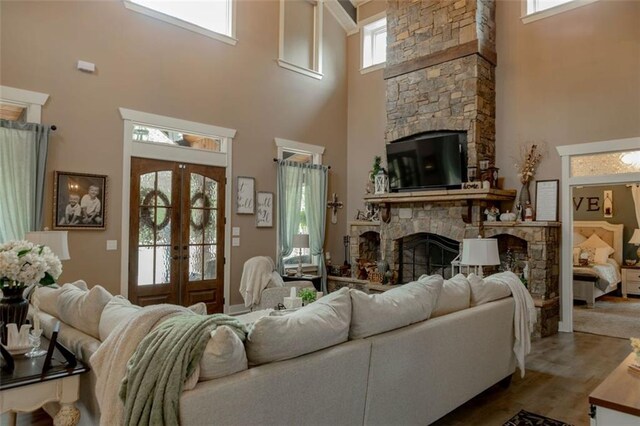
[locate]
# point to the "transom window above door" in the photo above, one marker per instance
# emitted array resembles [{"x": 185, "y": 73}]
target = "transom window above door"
[{"x": 143, "y": 133}]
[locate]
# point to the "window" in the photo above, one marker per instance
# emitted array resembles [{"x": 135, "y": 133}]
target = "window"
[
  {"x": 213, "y": 18},
  {"x": 538, "y": 9},
  {"x": 151, "y": 134},
  {"x": 309, "y": 154},
  {"x": 300, "y": 41},
  {"x": 374, "y": 43}
]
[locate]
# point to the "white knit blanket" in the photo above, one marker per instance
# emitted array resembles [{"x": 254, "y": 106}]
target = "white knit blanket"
[
  {"x": 524, "y": 319},
  {"x": 256, "y": 275},
  {"x": 109, "y": 362}
]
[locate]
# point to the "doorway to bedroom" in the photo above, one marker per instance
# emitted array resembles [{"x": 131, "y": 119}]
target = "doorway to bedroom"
[{"x": 606, "y": 274}]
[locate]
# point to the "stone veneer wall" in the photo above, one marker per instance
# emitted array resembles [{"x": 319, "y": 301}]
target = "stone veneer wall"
[{"x": 455, "y": 89}]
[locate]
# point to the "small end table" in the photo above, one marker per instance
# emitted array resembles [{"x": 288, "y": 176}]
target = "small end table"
[
  {"x": 26, "y": 388},
  {"x": 315, "y": 279},
  {"x": 630, "y": 280}
]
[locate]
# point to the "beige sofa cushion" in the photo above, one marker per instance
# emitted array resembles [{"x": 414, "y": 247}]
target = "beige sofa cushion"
[
  {"x": 83, "y": 309},
  {"x": 317, "y": 326},
  {"x": 455, "y": 296},
  {"x": 224, "y": 355},
  {"x": 115, "y": 311},
  {"x": 486, "y": 290},
  {"x": 46, "y": 298},
  {"x": 408, "y": 304}
]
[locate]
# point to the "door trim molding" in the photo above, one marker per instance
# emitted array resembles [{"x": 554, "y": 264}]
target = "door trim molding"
[{"x": 133, "y": 148}]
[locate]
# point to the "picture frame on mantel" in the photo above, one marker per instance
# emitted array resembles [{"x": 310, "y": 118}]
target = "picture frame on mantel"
[
  {"x": 264, "y": 210},
  {"x": 547, "y": 200},
  {"x": 245, "y": 195}
]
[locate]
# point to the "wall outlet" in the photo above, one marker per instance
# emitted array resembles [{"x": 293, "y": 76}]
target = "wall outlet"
[
  {"x": 112, "y": 245},
  {"x": 235, "y": 231},
  {"x": 235, "y": 242}
]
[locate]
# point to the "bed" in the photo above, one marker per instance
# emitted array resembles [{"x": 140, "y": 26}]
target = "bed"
[{"x": 595, "y": 280}]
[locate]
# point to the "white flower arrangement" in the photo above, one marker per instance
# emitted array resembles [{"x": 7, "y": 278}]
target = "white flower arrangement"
[{"x": 23, "y": 264}]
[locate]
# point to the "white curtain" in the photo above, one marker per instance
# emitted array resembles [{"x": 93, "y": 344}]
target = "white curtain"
[
  {"x": 316, "y": 201},
  {"x": 290, "y": 181},
  {"x": 635, "y": 191},
  {"x": 23, "y": 157}
]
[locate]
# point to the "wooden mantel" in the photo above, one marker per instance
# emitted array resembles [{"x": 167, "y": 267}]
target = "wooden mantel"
[{"x": 466, "y": 195}]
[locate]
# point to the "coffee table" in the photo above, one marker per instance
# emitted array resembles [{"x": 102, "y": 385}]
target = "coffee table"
[{"x": 26, "y": 388}]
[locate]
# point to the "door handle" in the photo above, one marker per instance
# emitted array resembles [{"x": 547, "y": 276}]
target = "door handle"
[
  {"x": 176, "y": 247},
  {"x": 175, "y": 257}
]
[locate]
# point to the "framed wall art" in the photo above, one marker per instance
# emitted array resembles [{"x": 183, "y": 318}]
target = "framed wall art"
[
  {"x": 245, "y": 195},
  {"x": 547, "y": 200},
  {"x": 79, "y": 201},
  {"x": 264, "y": 211}
]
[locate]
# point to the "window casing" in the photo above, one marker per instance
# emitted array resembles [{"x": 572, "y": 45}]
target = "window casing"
[
  {"x": 533, "y": 10},
  {"x": 300, "y": 37},
  {"x": 212, "y": 18},
  {"x": 374, "y": 45}
]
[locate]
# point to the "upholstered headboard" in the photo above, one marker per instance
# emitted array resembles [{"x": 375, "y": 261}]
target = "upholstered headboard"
[{"x": 610, "y": 234}]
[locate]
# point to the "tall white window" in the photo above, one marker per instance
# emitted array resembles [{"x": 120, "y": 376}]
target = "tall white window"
[
  {"x": 213, "y": 18},
  {"x": 533, "y": 10},
  {"x": 374, "y": 43},
  {"x": 534, "y": 6}
]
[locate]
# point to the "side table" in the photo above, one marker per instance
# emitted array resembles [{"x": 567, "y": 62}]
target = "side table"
[
  {"x": 315, "y": 279},
  {"x": 630, "y": 280},
  {"x": 26, "y": 388}
]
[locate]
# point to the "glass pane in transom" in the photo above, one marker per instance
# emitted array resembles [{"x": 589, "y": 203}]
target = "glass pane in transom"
[{"x": 608, "y": 163}]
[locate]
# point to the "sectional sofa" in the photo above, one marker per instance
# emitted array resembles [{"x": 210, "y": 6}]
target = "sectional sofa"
[{"x": 408, "y": 356}]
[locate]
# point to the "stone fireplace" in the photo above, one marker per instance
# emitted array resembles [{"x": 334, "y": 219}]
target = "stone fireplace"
[
  {"x": 424, "y": 254},
  {"x": 440, "y": 71}
]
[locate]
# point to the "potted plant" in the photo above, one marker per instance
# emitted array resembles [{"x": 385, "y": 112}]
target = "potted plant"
[
  {"x": 377, "y": 166},
  {"x": 308, "y": 295},
  {"x": 23, "y": 264}
]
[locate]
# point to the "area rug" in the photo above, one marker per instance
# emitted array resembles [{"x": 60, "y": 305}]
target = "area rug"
[
  {"x": 611, "y": 316},
  {"x": 525, "y": 418}
]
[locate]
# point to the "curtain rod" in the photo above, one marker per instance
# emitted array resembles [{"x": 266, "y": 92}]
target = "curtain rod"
[
  {"x": 276, "y": 160},
  {"x": 53, "y": 127}
]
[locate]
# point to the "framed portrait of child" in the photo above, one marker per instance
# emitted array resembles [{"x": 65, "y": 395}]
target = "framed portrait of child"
[{"x": 79, "y": 201}]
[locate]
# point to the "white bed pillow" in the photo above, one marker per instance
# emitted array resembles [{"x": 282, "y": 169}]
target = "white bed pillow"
[
  {"x": 594, "y": 241},
  {"x": 601, "y": 255},
  {"x": 399, "y": 307},
  {"x": 486, "y": 290},
  {"x": 455, "y": 296}
]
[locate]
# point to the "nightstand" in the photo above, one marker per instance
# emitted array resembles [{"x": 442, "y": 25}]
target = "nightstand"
[
  {"x": 630, "y": 280},
  {"x": 315, "y": 279}
]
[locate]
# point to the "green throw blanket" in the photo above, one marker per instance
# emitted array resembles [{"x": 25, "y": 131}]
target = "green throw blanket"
[{"x": 165, "y": 358}]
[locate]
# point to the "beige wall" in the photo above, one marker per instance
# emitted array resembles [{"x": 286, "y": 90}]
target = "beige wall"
[
  {"x": 148, "y": 65},
  {"x": 571, "y": 78}
]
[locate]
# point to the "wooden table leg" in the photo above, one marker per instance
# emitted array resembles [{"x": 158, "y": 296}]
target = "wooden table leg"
[{"x": 12, "y": 417}]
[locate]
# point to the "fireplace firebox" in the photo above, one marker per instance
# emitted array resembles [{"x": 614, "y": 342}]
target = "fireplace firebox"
[{"x": 424, "y": 253}]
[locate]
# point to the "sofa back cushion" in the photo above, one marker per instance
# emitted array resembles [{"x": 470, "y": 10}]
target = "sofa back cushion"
[
  {"x": 46, "y": 298},
  {"x": 399, "y": 307},
  {"x": 83, "y": 309},
  {"x": 455, "y": 296},
  {"x": 484, "y": 290},
  {"x": 115, "y": 311},
  {"x": 319, "y": 325}
]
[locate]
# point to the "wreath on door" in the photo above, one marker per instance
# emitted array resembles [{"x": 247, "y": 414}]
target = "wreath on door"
[
  {"x": 206, "y": 213},
  {"x": 146, "y": 218}
]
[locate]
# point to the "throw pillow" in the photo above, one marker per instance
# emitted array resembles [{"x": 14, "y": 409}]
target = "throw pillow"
[
  {"x": 46, "y": 298},
  {"x": 601, "y": 255},
  {"x": 83, "y": 309},
  {"x": 486, "y": 290},
  {"x": 455, "y": 296},
  {"x": 117, "y": 310},
  {"x": 199, "y": 308},
  {"x": 399, "y": 307},
  {"x": 588, "y": 253},
  {"x": 317, "y": 326},
  {"x": 594, "y": 241},
  {"x": 578, "y": 238},
  {"x": 223, "y": 356}
]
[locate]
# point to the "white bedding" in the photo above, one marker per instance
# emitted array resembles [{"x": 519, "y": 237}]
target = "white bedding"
[{"x": 608, "y": 273}]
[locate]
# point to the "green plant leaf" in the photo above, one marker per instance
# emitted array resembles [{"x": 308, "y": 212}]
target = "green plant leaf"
[
  {"x": 23, "y": 252},
  {"x": 47, "y": 280}
]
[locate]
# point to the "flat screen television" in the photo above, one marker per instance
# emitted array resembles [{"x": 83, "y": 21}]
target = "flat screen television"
[{"x": 435, "y": 160}]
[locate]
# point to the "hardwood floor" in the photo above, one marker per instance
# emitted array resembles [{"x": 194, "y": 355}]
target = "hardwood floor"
[{"x": 561, "y": 372}]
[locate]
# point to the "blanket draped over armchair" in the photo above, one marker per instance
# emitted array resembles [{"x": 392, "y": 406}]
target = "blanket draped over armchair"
[{"x": 142, "y": 366}]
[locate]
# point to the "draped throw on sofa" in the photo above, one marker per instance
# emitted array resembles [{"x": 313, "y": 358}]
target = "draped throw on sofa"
[
  {"x": 298, "y": 182},
  {"x": 23, "y": 159}
]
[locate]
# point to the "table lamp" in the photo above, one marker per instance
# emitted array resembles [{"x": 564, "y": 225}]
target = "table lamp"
[
  {"x": 635, "y": 240},
  {"x": 480, "y": 252},
  {"x": 300, "y": 241},
  {"x": 57, "y": 241}
]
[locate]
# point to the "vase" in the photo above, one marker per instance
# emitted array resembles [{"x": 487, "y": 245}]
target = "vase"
[
  {"x": 523, "y": 199},
  {"x": 13, "y": 309}
]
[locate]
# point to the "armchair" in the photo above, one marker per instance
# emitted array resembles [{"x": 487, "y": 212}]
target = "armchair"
[{"x": 262, "y": 287}]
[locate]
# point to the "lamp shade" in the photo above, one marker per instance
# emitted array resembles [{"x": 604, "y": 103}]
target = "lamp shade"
[
  {"x": 480, "y": 252},
  {"x": 635, "y": 238},
  {"x": 301, "y": 241},
  {"x": 55, "y": 240}
]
